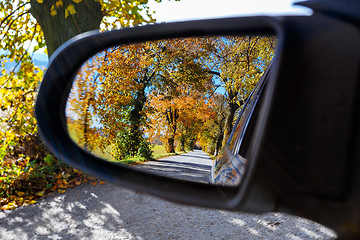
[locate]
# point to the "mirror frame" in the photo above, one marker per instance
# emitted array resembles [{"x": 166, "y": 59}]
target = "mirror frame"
[{"x": 68, "y": 59}]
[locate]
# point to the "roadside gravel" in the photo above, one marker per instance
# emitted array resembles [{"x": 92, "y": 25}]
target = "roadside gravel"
[{"x": 111, "y": 212}]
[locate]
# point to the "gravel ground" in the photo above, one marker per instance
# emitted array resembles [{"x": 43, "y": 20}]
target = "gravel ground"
[{"x": 111, "y": 212}]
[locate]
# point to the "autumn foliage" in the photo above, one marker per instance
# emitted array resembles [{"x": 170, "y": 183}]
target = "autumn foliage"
[
  {"x": 184, "y": 92},
  {"x": 181, "y": 91},
  {"x": 27, "y": 27}
]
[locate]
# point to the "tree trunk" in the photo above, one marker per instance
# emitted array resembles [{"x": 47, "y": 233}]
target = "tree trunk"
[
  {"x": 191, "y": 143},
  {"x": 171, "y": 117},
  {"x": 86, "y": 122},
  {"x": 182, "y": 144},
  {"x": 58, "y": 29},
  {"x": 170, "y": 148},
  {"x": 229, "y": 121},
  {"x": 136, "y": 118}
]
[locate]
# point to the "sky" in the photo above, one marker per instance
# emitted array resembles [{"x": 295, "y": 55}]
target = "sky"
[{"x": 168, "y": 11}]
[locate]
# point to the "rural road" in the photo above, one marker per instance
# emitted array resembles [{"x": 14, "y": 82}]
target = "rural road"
[
  {"x": 193, "y": 166},
  {"x": 111, "y": 212}
]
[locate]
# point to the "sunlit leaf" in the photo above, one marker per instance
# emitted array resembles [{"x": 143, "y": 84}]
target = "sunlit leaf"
[
  {"x": 71, "y": 9},
  {"x": 40, "y": 194},
  {"x": 59, "y": 3},
  {"x": 61, "y": 191}
]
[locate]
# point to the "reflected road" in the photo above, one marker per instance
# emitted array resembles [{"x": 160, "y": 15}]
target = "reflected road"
[{"x": 192, "y": 166}]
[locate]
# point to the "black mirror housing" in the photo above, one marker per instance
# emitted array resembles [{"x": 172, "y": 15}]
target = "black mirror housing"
[
  {"x": 50, "y": 106},
  {"x": 304, "y": 150}
]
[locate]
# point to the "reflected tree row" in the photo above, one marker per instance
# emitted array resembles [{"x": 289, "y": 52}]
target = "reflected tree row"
[{"x": 175, "y": 92}]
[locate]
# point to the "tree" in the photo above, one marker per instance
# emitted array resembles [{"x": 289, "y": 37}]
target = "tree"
[
  {"x": 179, "y": 116},
  {"x": 239, "y": 62},
  {"x": 29, "y": 25},
  {"x": 167, "y": 88},
  {"x": 81, "y": 106},
  {"x": 126, "y": 76},
  {"x": 211, "y": 137},
  {"x": 188, "y": 75},
  {"x": 197, "y": 108},
  {"x": 56, "y": 21}
]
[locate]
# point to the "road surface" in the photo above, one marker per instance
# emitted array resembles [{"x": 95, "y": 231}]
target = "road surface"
[
  {"x": 112, "y": 212},
  {"x": 193, "y": 166}
]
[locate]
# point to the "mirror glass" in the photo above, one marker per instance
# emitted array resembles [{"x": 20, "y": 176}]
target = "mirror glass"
[{"x": 166, "y": 106}]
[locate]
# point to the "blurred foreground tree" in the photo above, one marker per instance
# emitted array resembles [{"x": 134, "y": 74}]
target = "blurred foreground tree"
[{"x": 27, "y": 26}]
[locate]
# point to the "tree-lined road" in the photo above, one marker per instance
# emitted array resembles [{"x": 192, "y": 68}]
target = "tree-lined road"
[{"x": 192, "y": 166}]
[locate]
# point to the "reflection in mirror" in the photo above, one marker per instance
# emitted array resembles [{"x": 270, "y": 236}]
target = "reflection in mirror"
[{"x": 166, "y": 106}]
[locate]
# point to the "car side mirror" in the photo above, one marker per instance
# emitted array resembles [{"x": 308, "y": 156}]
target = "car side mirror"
[
  {"x": 65, "y": 102},
  {"x": 294, "y": 147}
]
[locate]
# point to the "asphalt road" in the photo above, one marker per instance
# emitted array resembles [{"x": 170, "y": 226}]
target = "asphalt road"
[{"x": 193, "y": 166}]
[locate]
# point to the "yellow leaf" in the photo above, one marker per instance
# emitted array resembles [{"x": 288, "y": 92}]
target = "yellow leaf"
[
  {"x": 102, "y": 182},
  {"x": 77, "y": 183},
  {"x": 59, "y": 4},
  {"x": 77, "y": 1},
  {"x": 29, "y": 202},
  {"x": 53, "y": 13},
  {"x": 94, "y": 183},
  {"x": 9, "y": 206},
  {"x": 66, "y": 13},
  {"x": 61, "y": 191},
  {"x": 71, "y": 9},
  {"x": 40, "y": 194},
  {"x": 40, "y": 1}
]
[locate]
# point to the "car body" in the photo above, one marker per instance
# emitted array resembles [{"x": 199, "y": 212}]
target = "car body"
[{"x": 230, "y": 166}]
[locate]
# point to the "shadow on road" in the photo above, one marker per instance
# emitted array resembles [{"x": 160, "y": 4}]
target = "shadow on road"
[
  {"x": 110, "y": 212},
  {"x": 193, "y": 166}
]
